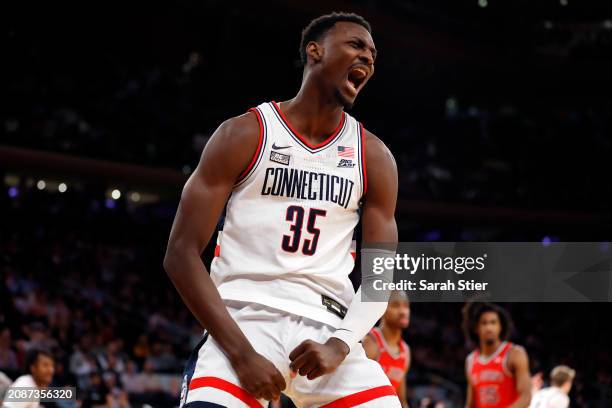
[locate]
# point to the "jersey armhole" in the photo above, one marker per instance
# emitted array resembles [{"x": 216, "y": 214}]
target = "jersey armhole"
[
  {"x": 469, "y": 363},
  {"x": 362, "y": 160},
  {"x": 504, "y": 364},
  {"x": 257, "y": 155}
]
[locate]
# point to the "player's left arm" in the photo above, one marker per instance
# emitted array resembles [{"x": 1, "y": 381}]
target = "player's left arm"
[
  {"x": 370, "y": 347},
  {"x": 518, "y": 363},
  {"x": 314, "y": 359},
  {"x": 402, "y": 389}
]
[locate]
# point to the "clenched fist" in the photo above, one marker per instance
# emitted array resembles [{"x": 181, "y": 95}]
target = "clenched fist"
[
  {"x": 259, "y": 377},
  {"x": 314, "y": 359}
]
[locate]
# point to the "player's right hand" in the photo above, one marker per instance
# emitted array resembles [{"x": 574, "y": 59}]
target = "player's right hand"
[{"x": 259, "y": 377}]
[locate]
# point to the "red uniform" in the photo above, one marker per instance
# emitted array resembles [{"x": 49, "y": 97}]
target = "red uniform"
[
  {"x": 492, "y": 383},
  {"x": 394, "y": 365}
]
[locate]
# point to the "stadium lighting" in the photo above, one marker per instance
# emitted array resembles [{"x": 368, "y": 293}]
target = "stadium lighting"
[
  {"x": 135, "y": 196},
  {"x": 563, "y": 2},
  {"x": 116, "y": 194},
  {"x": 483, "y": 3},
  {"x": 62, "y": 187},
  {"x": 13, "y": 192},
  {"x": 41, "y": 184}
]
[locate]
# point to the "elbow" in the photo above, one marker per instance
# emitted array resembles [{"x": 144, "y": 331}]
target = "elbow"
[
  {"x": 525, "y": 399},
  {"x": 171, "y": 259}
]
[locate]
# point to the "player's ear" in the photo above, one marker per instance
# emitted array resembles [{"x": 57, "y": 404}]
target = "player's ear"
[{"x": 315, "y": 51}]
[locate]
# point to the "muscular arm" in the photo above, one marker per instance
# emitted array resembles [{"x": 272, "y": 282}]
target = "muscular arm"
[
  {"x": 518, "y": 363},
  {"x": 402, "y": 390},
  {"x": 204, "y": 196},
  {"x": 378, "y": 219},
  {"x": 378, "y": 226}
]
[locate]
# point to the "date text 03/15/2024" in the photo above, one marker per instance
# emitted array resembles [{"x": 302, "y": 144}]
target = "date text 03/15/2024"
[{"x": 425, "y": 285}]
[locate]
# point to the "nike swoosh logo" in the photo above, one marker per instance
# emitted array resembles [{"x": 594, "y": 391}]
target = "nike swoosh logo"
[
  {"x": 344, "y": 329},
  {"x": 275, "y": 147}
]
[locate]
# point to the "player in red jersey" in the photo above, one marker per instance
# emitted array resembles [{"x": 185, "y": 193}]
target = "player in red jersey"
[
  {"x": 497, "y": 371},
  {"x": 385, "y": 344}
]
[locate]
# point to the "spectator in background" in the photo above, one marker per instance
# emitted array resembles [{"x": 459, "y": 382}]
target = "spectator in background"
[
  {"x": 96, "y": 395},
  {"x": 141, "y": 349},
  {"x": 8, "y": 358},
  {"x": 82, "y": 363},
  {"x": 110, "y": 360},
  {"x": 150, "y": 380},
  {"x": 555, "y": 396},
  {"x": 132, "y": 381},
  {"x": 39, "y": 337},
  {"x": 116, "y": 397},
  {"x": 39, "y": 366}
]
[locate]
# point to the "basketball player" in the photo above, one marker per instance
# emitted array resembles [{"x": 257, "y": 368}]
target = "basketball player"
[
  {"x": 279, "y": 309},
  {"x": 497, "y": 371},
  {"x": 39, "y": 367},
  {"x": 555, "y": 396},
  {"x": 385, "y": 344}
]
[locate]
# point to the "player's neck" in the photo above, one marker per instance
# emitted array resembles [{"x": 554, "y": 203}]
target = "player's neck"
[
  {"x": 487, "y": 349},
  {"x": 392, "y": 335},
  {"x": 314, "y": 115}
]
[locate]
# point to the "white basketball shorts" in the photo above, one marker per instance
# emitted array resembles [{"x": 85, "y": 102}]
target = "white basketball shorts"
[{"x": 209, "y": 380}]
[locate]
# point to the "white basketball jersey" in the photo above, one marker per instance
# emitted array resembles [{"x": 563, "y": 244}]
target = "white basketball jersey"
[
  {"x": 550, "y": 397},
  {"x": 287, "y": 239}
]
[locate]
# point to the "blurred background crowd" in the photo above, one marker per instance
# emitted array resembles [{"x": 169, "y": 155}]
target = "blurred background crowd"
[{"x": 498, "y": 113}]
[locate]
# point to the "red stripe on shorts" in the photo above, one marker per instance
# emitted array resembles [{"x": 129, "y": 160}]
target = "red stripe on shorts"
[
  {"x": 226, "y": 386},
  {"x": 361, "y": 397}
]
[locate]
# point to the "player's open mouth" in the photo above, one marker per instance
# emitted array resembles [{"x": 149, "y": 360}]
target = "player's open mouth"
[{"x": 356, "y": 78}]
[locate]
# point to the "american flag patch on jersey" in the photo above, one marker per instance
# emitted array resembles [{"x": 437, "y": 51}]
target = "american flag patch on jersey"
[{"x": 346, "y": 151}]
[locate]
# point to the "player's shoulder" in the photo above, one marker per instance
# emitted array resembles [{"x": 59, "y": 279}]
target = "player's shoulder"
[
  {"x": 375, "y": 148},
  {"x": 240, "y": 129},
  {"x": 553, "y": 396},
  {"x": 370, "y": 346},
  {"x": 234, "y": 144},
  {"x": 469, "y": 363},
  {"x": 371, "y": 336},
  {"x": 516, "y": 350},
  {"x": 470, "y": 357},
  {"x": 25, "y": 380},
  {"x": 235, "y": 141},
  {"x": 379, "y": 161},
  {"x": 516, "y": 357},
  {"x": 560, "y": 400}
]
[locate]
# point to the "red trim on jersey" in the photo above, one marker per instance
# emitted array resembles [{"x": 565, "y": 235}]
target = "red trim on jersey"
[
  {"x": 363, "y": 159},
  {"x": 302, "y": 138},
  {"x": 217, "y": 249},
  {"x": 257, "y": 151},
  {"x": 361, "y": 397},
  {"x": 223, "y": 385},
  {"x": 354, "y": 255}
]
